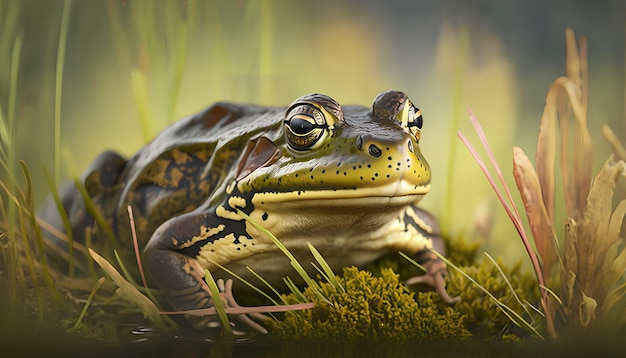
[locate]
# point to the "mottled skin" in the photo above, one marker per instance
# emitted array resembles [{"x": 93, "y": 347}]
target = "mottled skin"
[{"x": 346, "y": 179}]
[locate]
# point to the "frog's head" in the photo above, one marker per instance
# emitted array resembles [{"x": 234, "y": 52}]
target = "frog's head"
[{"x": 349, "y": 154}]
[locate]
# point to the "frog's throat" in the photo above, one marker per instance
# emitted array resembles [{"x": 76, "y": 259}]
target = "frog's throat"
[{"x": 400, "y": 193}]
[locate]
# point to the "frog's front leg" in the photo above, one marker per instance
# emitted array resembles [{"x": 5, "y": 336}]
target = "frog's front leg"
[
  {"x": 170, "y": 259},
  {"x": 425, "y": 228}
]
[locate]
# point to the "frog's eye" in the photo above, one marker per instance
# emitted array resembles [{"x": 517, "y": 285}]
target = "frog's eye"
[
  {"x": 305, "y": 126},
  {"x": 411, "y": 119}
]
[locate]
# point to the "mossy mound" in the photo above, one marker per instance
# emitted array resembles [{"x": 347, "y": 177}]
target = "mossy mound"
[
  {"x": 371, "y": 309},
  {"x": 481, "y": 311}
]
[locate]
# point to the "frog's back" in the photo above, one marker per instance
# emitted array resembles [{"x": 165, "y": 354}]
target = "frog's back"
[
  {"x": 175, "y": 173},
  {"x": 187, "y": 163}
]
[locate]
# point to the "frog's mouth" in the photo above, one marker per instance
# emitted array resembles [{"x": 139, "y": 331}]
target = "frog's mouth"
[{"x": 401, "y": 193}]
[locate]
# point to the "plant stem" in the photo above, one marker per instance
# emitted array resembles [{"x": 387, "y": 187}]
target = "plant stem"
[
  {"x": 454, "y": 125},
  {"x": 67, "y": 4}
]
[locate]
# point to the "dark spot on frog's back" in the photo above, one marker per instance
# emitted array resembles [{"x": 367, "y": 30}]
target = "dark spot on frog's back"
[
  {"x": 214, "y": 114},
  {"x": 220, "y": 113}
]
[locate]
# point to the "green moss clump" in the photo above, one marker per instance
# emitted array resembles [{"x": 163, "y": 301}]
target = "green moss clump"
[
  {"x": 371, "y": 309},
  {"x": 462, "y": 251},
  {"x": 481, "y": 310}
]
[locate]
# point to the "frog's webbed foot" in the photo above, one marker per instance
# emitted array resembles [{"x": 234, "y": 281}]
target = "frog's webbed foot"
[
  {"x": 199, "y": 296},
  {"x": 435, "y": 276},
  {"x": 226, "y": 295}
]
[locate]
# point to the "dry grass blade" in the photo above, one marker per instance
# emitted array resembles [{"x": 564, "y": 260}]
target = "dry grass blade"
[
  {"x": 245, "y": 310},
  {"x": 136, "y": 246},
  {"x": 616, "y": 144},
  {"x": 599, "y": 229},
  {"x": 546, "y": 155},
  {"x": 566, "y": 97},
  {"x": 511, "y": 213},
  {"x": 540, "y": 222},
  {"x": 517, "y": 221},
  {"x": 615, "y": 267}
]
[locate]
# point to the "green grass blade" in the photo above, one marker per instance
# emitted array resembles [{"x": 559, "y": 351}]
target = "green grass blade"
[
  {"x": 58, "y": 89},
  {"x": 246, "y": 282},
  {"x": 140, "y": 94},
  {"x": 127, "y": 291},
  {"x": 64, "y": 217},
  {"x": 7, "y": 125},
  {"x": 28, "y": 252},
  {"x": 13, "y": 267},
  {"x": 95, "y": 213},
  {"x": 86, "y": 306},
  {"x": 125, "y": 271},
  {"x": 506, "y": 310},
  {"x": 454, "y": 125},
  {"x": 412, "y": 261},
  {"x": 13, "y": 42},
  {"x": 217, "y": 303},
  {"x": 535, "y": 309},
  {"x": 177, "y": 73},
  {"x": 295, "y": 290},
  {"x": 88, "y": 244},
  {"x": 552, "y": 294},
  {"x": 266, "y": 283},
  {"x": 129, "y": 277},
  {"x": 27, "y": 212},
  {"x": 321, "y": 272},
  {"x": 331, "y": 277},
  {"x": 294, "y": 263},
  {"x": 28, "y": 209},
  {"x": 508, "y": 283},
  {"x": 28, "y": 199}
]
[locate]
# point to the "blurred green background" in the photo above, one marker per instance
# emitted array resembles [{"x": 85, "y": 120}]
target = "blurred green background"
[{"x": 160, "y": 60}]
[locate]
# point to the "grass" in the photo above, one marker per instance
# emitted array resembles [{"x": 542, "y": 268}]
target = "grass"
[
  {"x": 159, "y": 33},
  {"x": 23, "y": 247},
  {"x": 511, "y": 314},
  {"x": 454, "y": 124},
  {"x": 591, "y": 257},
  {"x": 11, "y": 43},
  {"x": 58, "y": 88}
]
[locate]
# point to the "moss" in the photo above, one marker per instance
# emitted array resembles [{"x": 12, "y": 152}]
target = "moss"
[
  {"x": 459, "y": 250},
  {"x": 481, "y": 310},
  {"x": 371, "y": 309},
  {"x": 462, "y": 251}
]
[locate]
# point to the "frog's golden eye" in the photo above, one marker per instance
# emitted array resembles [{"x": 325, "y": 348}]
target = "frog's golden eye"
[
  {"x": 411, "y": 119},
  {"x": 305, "y": 126}
]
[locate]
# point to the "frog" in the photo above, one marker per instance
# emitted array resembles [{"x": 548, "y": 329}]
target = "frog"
[{"x": 344, "y": 178}]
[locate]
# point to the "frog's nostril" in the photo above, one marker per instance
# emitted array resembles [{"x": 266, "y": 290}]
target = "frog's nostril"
[
  {"x": 375, "y": 150},
  {"x": 410, "y": 146}
]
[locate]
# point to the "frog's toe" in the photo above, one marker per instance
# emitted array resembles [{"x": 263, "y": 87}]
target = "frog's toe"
[
  {"x": 435, "y": 276},
  {"x": 226, "y": 289},
  {"x": 191, "y": 301},
  {"x": 437, "y": 282}
]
